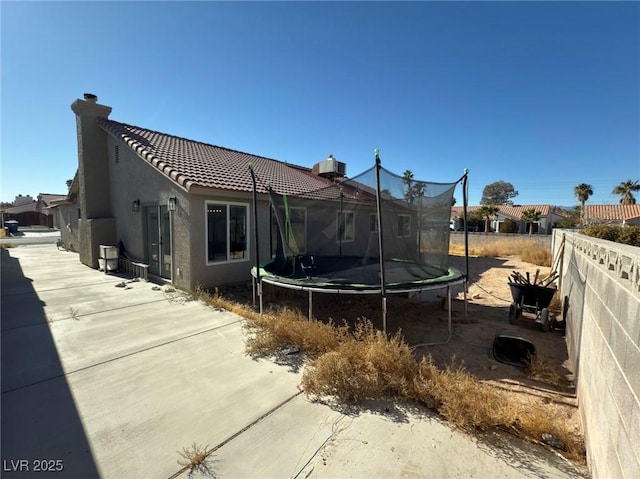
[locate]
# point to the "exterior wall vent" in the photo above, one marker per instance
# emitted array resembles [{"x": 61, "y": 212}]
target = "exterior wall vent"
[{"x": 116, "y": 153}]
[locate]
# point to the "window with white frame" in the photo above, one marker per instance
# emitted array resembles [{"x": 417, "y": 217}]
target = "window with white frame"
[
  {"x": 404, "y": 226},
  {"x": 345, "y": 226},
  {"x": 227, "y": 226}
]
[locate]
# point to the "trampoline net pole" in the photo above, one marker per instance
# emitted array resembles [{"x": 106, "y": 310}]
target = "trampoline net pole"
[
  {"x": 310, "y": 305},
  {"x": 381, "y": 244}
]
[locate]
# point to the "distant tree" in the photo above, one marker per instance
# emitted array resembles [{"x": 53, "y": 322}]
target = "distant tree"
[
  {"x": 625, "y": 190},
  {"x": 486, "y": 212},
  {"x": 498, "y": 193},
  {"x": 583, "y": 191},
  {"x": 69, "y": 183},
  {"x": 407, "y": 179},
  {"x": 453, "y": 201},
  {"x": 420, "y": 189},
  {"x": 6, "y": 204},
  {"x": 508, "y": 226},
  {"x": 531, "y": 216}
]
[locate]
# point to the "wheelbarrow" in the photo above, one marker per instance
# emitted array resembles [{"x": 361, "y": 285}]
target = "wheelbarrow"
[{"x": 531, "y": 302}]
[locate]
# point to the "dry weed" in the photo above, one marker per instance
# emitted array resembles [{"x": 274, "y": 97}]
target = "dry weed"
[
  {"x": 196, "y": 459},
  {"x": 540, "y": 369},
  {"x": 365, "y": 365}
]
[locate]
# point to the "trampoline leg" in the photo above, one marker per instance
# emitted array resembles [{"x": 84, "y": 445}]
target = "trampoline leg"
[
  {"x": 310, "y": 305},
  {"x": 253, "y": 290},
  {"x": 384, "y": 314},
  {"x": 466, "y": 314},
  {"x": 260, "y": 295}
]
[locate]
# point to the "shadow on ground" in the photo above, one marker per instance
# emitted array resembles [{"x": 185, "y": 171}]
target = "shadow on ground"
[{"x": 41, "y": 426}]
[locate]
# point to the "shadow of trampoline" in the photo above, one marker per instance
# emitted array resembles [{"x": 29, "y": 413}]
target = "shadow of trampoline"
[{"x": 42, "y": 432}]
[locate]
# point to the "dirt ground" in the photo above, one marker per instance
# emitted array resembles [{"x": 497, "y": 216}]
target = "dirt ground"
[{"x": 424, "y": 319}]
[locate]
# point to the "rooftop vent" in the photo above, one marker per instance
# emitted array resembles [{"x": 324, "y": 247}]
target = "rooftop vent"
[
  {"x": 330, "y": 168},
  {"x": 90, "y": 97}
]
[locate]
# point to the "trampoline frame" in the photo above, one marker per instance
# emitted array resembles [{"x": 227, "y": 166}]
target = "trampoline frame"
[
  {"x": 460, "y": 280},
  {"x": 384, "y": 289}
]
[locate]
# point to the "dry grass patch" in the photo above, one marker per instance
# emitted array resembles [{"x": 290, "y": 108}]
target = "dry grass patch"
[
  {"x": 540, "y": 369},
  {"x": 364, "y": 363},
  {"x": 357, "y": 363},
  {"x": 526, "y": 249}
]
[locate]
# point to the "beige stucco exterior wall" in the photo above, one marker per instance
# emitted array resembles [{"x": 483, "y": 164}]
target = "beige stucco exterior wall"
[
  {"x": 67, "y": 218},
  {"x": 216, "y": 274}
]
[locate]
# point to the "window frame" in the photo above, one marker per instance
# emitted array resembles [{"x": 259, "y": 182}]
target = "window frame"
[
  {"x": 352, "y": 213},
  {"x": 227, "y": 205}
]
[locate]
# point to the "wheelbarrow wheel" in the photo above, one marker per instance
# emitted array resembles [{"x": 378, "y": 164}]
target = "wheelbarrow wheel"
[
  {"x": 544, "y": 320},
  {"x": 513, "y": 313}
]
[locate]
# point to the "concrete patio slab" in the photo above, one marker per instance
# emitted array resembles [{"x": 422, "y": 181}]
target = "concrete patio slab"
[{"x": 114, "y": 382}]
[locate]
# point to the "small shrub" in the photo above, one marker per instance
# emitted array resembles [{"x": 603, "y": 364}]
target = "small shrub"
[
  {"x": 508, "y": 226},
  {"x": 536, "y": 255},
  {"x": 618, "y": 234}
]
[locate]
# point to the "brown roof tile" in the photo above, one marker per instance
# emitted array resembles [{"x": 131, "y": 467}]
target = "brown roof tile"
[
  {"x": 612, "y": 212},
  {"x": 192, "y": 163},
  {"x": 514, "y": 212}
]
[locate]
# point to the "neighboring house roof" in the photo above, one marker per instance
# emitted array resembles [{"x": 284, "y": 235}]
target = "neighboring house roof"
[
  {"x": 46, "y": 199},
  {"x": 511, "y": 211},
  {"x": 192, "y": 163},
  {"x": 611, "y": 212},
  {"x": 14, "y": 210}
]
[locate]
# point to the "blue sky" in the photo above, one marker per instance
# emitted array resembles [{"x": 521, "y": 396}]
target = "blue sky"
[{"x": 544, "y": 95}]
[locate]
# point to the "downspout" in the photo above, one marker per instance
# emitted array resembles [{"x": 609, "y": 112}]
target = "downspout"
[{"x": 383, "y": 290}]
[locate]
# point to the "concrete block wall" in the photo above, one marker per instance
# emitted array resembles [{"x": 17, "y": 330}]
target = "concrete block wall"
[{"x": 600, "y": 285}]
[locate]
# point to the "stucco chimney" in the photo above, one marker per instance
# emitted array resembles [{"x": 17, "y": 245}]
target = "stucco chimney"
[{"x": 97, "y": 225}]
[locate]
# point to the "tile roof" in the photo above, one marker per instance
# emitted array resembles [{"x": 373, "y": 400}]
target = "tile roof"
[
  {"x": 47, "y": 198},
  {"x": 195, "y": 164},
  {"x": 514, "y": 212},
  {"x": 612, "y": 212}
]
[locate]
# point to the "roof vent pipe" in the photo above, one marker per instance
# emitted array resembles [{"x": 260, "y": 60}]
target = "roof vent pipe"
[{"x": 90, "y": 97}]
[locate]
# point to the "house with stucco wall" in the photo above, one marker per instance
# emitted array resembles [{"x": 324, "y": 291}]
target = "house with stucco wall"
[
  {"x": 514, "y": 213},
  {"x": 182, "y": 207}
]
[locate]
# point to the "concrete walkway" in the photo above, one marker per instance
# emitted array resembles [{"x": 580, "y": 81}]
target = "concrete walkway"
[{"x": 113, "y": 382}]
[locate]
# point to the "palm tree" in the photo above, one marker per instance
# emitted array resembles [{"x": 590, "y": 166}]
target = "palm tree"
[
  {"x": 625, "y": 190},
  {"x": 407, "y": 179},
  {"x": 582, "y": 192},
  {"x": 487, "y": 211},
  {"x": 531, "y": 216}
]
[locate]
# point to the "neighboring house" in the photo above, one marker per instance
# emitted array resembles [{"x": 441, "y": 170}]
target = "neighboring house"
[
  {"x": 514, "y": 213},
  {"x": 612, "y": 214},
  {"x": 180, "y": 206},
  {"x": 28, "y": 211}
]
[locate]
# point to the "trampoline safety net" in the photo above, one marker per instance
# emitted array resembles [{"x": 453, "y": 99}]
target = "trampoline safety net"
[{"x": 331, "y": 236}]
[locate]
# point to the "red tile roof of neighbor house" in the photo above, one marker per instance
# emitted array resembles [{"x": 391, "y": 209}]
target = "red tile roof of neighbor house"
[
  {"x": 514, "y": 212},
  {"x": 195, "y": 164},
  {"x": 612, "y": 212}
]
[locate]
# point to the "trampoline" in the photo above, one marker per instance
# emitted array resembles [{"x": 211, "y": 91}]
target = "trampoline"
[{"x": 376, "y": 233}]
